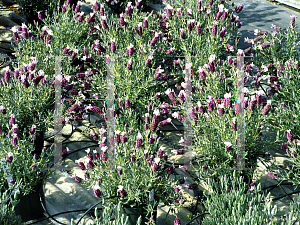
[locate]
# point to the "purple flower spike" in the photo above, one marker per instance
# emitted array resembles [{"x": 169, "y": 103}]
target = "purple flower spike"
[
  {"x": 227, "y": 146},
  {"x": 96, "y": 154},
  {"x": 76, "y": 178},
  {"x": 9, "y": 157},
  {"x": 145, "y": 23},
  {"x": 132, "y": 158},
  {"x": 2, "y": 110},
  {"x": 119, "y": 170},
  {"x": 156, "y": 166},
  {"x": 177, "y": 221},
  {"x": 97, "y": 191},
  {"x": 14, "y": 140},
  {"x": 40, "y": 16},
  {"x": 90, "y": 164},
  {"x": 104, "y": 22},
  {"x": 24, "y": 31},
  {"x": 32, "y": 129},
  {"x": 139, "y": 29},
  {"x": 139, "y": 140},
  {"x": 267, "y": 108},
  {"x": 33, "y": 166},
  {"x": 122, "y": 192},
  {"x": 80, "y": 164},
  {"x": 113, "y": 45},
  {"x": 129, "y": 64},
  {"x": 77, "y": 8},
  {"x": 12, "y": 120},
  {"x": 289, "y": 135},
  {"x": 233, "y": 124},
  {"x": 130, "y": 50},
  {"x": 89, "y": 154}
]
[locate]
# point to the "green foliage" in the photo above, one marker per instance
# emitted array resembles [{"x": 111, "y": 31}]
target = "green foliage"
[
  {"x": 26, "y": 178},
  {"x": 7, "y": 213},
  {"x": 231, "y": 203}
]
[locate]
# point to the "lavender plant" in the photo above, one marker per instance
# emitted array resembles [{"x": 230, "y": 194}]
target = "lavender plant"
[
  {"x": 26, "y": 169},
  {"x": 26, "y": 99},
  {"x": 232, "y": 202},
  {"x": 138, "y": 175},
  {"x": 278, "y": 72},
  {"x": 7, "y": 213},
  {"x": 105, "y": 216}
]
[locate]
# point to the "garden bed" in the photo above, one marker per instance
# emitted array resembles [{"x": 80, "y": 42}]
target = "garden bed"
[{"x": 151, "y": 109}]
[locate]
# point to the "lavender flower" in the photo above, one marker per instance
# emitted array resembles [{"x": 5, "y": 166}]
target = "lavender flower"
[
  {"x": 9, "y": 157},
  {"x": 154, "y": 122},
  {"x": 117, "y": 136},
  {"x": 267, "y": 108},
  {"x": 103, "y": 155},
  {"x": 201, "y": 109},
  {"x": 139, "y": 140},
  {"x": 2, "y": 110},
  {"x": 145, "y": 23},
  {"x": 292, "y": 21},
  {"x": 156, "y": 166},
  {"x": 190, "y": 25},
  {"x": 160, "y": 152},
  {"x": 86, "y": 175},
  {"x": 80, "y": 164},
  {"x": 89, "y": 154},
  {"x": 89, "y": 163},
  {"x": 170, "y": 92},
  {"x": 127, "y": 102},
  {"x": 129, "y": 64},
  {"x": 80, "y": 17},
  {"x": 74, "y": 53},
  {"x": 119, "y": 170},
  {"x": 148, "y": 61},
  {"x": 33, "y": 166},
  {"x": 122, "y": 20},
  {"x": 132, "y": 158},
  {"x": 198, "y": 28},
  {"x": 7, "y": 74},
  {"x": 104, "y": 23},
  {"x": 138, "y": 4},
  {"x": 182, "y": 34},
  {"x": 66, "y": 50},
  {"x": 77, "y": 8},
  {"x": 221, "y": 110},
  {"x": 177, "y": 221},
  {"x": 139, "y": 29},
  {"x": 123, "y": 138},
  {"x": 214, "y": 29},
  {"x": 239, "y": 9},
  {"x": 96, "y": 154},
  {"x": 14, "y": 140},
  {"x": 12, "y": 120},
  {"x": 15, "y": 34},
  {"x": 76, "y": 178},
  {"x": 122, "y": 192},
  {"x": 211, "y": 103},
  {"x": 233, "y": 123},
  {"x": 113, "y": 45},
  {"x": 154, "y": 39},
  {"x": 24, "y": 31},
  {"x": 32, "y": 129},
  {"x": 49, "y": 36},
  {"x": 227, "y": 146},
  {"x": 289, "y": 135}
]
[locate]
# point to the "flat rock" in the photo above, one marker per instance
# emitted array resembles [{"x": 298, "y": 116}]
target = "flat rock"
[
  {"x": 13, "y": 17},
  {"x": 6, "y": 22}
]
